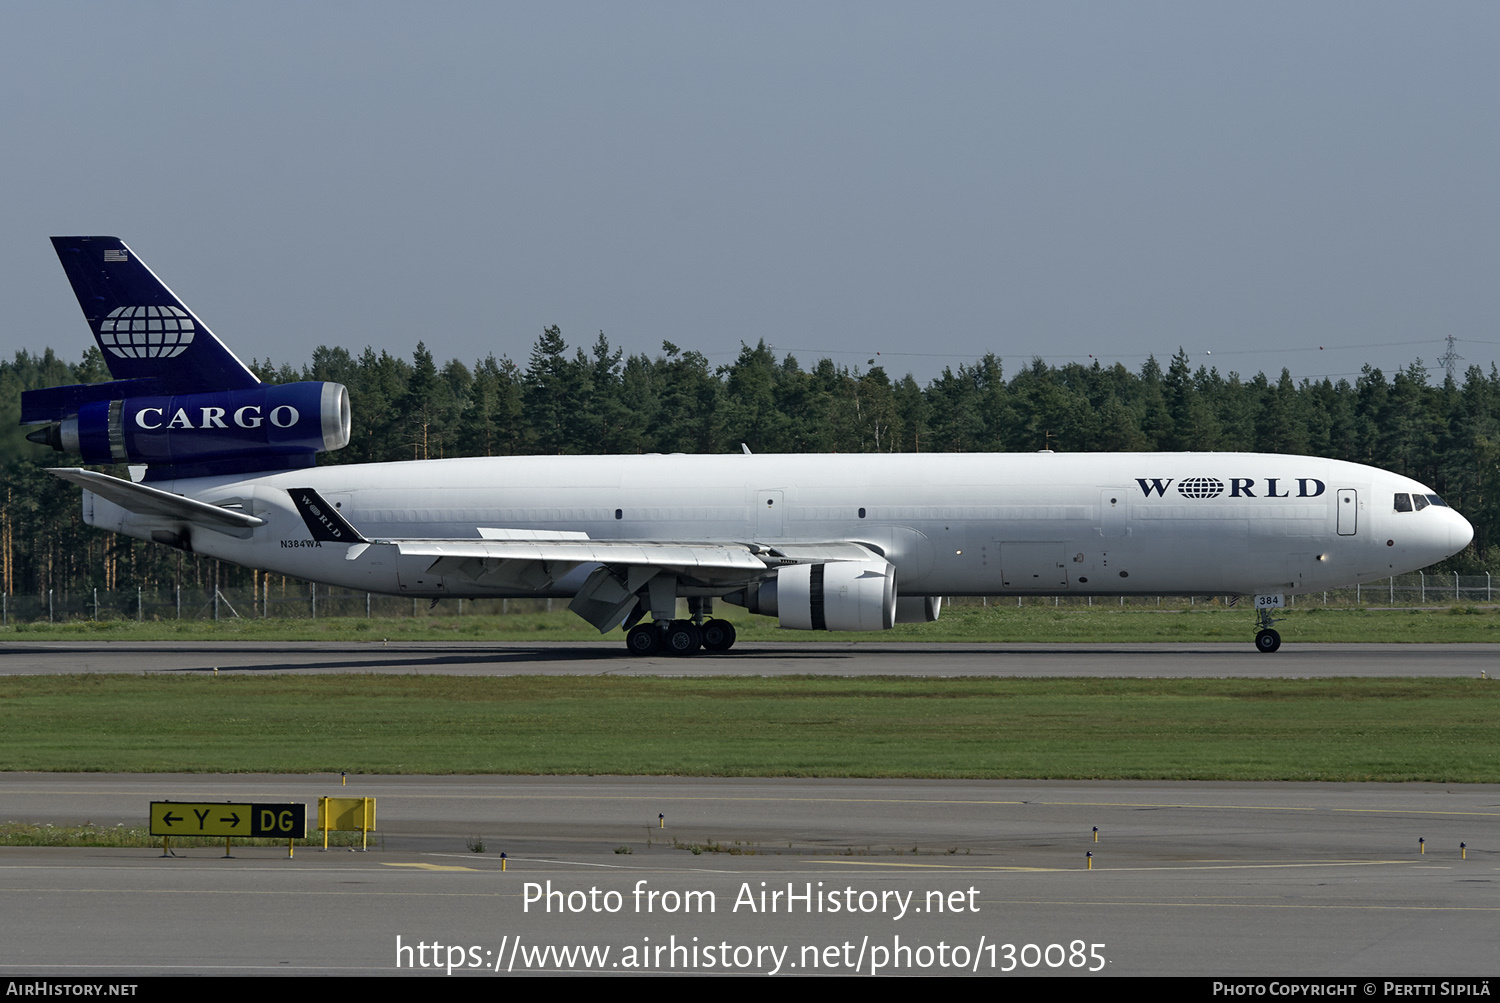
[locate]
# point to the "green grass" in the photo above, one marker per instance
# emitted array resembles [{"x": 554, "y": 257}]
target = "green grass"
[
  {"x": 88, "y": 834},
  {"x": 1234, "y": 729},
  {"x": 1105, "y": 623}
]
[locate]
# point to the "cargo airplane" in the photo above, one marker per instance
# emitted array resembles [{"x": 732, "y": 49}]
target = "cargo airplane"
[{"x": 223, "y": 465}]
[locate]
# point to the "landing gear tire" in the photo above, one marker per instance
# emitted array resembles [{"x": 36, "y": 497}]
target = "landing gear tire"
[
  {"x": 1267, "y": 641},
  {"x": 718, "y": 635},
  {"x": 643, "y": 639},
  {"x": 683, "y": 638}
]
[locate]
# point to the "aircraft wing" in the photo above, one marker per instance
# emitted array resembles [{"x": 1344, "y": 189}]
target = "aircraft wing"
[
  {"x": 154, "y": 502},
  {"x": 491, "y": 560},
  {"x": 622, "y": 568},
  {"x": 619, "y": 571},
  {"x": 494, "y": 560}
]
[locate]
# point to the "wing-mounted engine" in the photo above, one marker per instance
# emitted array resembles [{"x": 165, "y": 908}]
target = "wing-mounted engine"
[
  {"x": 836, "y": 595},
  {"x": 264, "y": 427}
]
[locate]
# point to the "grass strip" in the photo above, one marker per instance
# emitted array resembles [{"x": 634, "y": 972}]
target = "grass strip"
[
  {"x": 31, "y": 834},
  {"x": 1198, "y": 729}
]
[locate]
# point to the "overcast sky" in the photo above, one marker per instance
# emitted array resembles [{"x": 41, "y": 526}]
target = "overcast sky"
[{"x": 1308, "y": 185}]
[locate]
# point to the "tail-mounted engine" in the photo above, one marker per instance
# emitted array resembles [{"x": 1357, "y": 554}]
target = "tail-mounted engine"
[{"x": 264, "y": 427}]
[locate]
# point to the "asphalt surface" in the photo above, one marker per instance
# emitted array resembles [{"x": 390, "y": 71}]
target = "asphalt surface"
[
  {"x": 666, "y": 875},
  {"x": 887, "y": 876},
  {"x": 1196, "y": 660}
]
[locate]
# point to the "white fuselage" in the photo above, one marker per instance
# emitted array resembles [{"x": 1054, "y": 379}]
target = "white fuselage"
[{"x": 951, "y": 524}]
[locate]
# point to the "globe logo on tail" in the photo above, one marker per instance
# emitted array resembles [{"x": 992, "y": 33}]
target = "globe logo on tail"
[{"x": 146, "y": 332}]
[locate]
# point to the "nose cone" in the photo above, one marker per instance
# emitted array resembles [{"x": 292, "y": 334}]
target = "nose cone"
[{"x": 1460, "y": 533}]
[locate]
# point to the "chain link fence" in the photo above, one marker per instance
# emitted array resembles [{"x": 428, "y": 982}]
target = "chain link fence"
[
  {"x": 294, "y": 601},
  {"x": 303, "y": 600},
  {"x": 1430, "y": 589}
]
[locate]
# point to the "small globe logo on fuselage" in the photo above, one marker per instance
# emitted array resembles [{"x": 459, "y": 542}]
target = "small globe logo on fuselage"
[
  {"x": 146, "y": 332},
  {"x": 1200, "y": 487}
]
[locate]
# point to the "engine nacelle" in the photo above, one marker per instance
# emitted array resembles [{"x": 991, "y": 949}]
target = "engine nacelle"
[
  {"x": 257, "y": 424},
  {"x": 839, "y": 595},
  {"x": 918, "y": 609}
]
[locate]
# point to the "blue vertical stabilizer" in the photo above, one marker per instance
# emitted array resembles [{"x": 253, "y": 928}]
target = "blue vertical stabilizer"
[
  {"x": 180, "y": 402},
  {"x": 143, "y": 329}
]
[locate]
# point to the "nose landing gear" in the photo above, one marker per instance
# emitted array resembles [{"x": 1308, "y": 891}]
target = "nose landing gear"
[{"x": 1266, "y": 639}]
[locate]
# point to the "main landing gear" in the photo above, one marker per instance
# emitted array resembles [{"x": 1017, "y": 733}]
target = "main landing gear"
[
  {"x": 682, "y": 637},
  {"x": 679, "y": 637}
]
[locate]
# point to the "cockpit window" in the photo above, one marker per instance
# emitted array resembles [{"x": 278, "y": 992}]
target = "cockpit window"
[
  {"x": 1437, "y": 501},
  {"x": 1403, "y": 501},
  {"x": 1420, "y": 501}
]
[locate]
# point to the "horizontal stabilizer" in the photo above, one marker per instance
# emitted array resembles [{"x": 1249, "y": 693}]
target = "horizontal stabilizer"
[
  {"x": 147, "y": 501},
  {"x": 57, "y": 403}
]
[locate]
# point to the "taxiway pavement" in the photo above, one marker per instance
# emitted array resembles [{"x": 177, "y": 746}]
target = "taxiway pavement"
[
  {"x": 921, "y": 877},
  {"x": 841, "y": 658},
  {"x": 1187, "y": 878}
]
